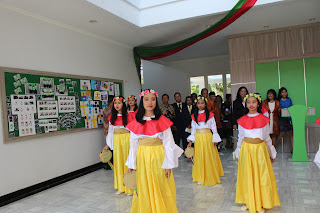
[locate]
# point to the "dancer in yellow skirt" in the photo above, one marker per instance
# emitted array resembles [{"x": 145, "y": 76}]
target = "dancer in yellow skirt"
[
  {"x": 256, "y": 184},
  {"x": 118, "y": 140},
  {"x": 153, "y": 153},
  {"x": 207, "y": 167}
]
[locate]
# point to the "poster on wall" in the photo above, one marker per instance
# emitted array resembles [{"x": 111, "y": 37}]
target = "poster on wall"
[
  {"x": 47, "y": 109},
  {"x": 47, "y": 94},
  {"x": 104, "y": 95},
  {"x": 66, "y": 104},
  {"x": 95, "y": 85},
  {"x": 11, "y": 123},
  {"x": 105, "y": 104},
  {"x": 83, "y": 107},
  {"x": 17, "y": 77},
  {"x": 116, "y": 90},
  {"x": 104, "y": 85},
  {"x": 100, "y": 116},
  {"x": 61, "y": 90},
  {"x": 32, "y": 88},
  {"x": 23, "y": 104},
  {"x": 61, "y": 82},
  {"x": 97, "y": 96},
  {"x": 85, "y": 85},
  {"x": 86, "y": 95},
  {"x": 111, "y": 88},
  {"x": 47, "y": 83},
  {"x": 26, "y": 124},
  {"x": 50, "y": 125}
]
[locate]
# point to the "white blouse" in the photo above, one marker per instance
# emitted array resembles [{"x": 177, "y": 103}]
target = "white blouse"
[
  {"x": 262, "y": 133},
  {"x": 109, "y": 138},
  {"x": 210, "y": 124},
  {"x": 271, "y": 107},
  {"x": 172, "y": 151}
]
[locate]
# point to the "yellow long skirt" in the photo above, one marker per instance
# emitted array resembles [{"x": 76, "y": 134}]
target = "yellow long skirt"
[
  {"x": 156, "y": 193},
  {"x": 256, "y": 184},
  {"x": 121, "y": 146},
  {"x": 207, "y": 167}
]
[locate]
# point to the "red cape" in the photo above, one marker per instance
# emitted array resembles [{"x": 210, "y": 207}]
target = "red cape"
[
  {"x": 132, "y": 116},
  {"x": 202, "y": 117},
  {"x": 118, "y": 121},
  {"x": 255, "y": 122},
  {"x": 318, "y": 121},
  {"x": 151, "y": 127}
]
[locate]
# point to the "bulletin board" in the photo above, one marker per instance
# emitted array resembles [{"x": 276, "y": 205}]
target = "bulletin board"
[
  {"x": 40, "y": 104},
  {"x": 300, "y": 77}
]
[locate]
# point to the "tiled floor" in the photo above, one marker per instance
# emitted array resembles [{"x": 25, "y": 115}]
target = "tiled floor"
[{"x": 298, "y": 185}]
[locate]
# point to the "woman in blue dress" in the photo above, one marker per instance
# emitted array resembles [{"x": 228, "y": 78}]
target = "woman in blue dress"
[{"x": 285, "y": 123}]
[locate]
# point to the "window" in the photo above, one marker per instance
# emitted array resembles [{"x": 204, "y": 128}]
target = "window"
[
  {"x": 228, "y": 81},
  {"x": 141, "y": 73},
  {"x": 196, "y": 84},
  {"x": 220, "y": 84},
  {"x": 215, "y": 83}
]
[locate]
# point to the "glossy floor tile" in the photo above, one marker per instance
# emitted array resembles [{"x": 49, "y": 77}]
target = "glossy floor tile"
[{"x": 298, "y": 186}]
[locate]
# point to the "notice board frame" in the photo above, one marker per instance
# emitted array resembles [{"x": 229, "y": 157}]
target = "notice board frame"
[{"x": 5, "y": 124}]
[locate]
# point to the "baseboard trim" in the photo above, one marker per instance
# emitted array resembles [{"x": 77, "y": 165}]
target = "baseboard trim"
[{"x": 20, "y": 194}]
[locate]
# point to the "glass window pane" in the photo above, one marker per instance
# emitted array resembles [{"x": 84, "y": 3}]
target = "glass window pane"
[
  {"x": 196, "y": 84},
  {"x": 228, "y": 80},
  {"x": 215, "y": 83}
]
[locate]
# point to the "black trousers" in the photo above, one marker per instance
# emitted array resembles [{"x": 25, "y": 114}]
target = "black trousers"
[{"x": 180, "y": 135}]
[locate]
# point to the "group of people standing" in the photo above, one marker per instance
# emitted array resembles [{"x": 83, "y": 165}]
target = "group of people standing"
[
  {"x": 180, "y": 114},
  {"x": 271, "y": 108},
  {"x": 146, "y": 140}
]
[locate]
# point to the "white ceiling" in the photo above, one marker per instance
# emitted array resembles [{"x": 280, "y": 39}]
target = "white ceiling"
[{"x": 77, "y": 13}]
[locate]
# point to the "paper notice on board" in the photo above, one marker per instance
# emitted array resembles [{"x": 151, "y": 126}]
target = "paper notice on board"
[
  {"x": 49, "y": 124},
  {"x": 11, "y": 123},
  {"x": 66, "y": 104},
  {"x": 26, "y": 124},
  {"x": 22, "y": 104},
  {"x": 111, "y": 88},
  {"x": 116, "y": 90},
  {"x": 47, "y": 109},
  {"x": 100, "y": 116}
]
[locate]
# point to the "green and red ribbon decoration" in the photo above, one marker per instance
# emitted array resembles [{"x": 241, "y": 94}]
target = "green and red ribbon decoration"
[{"x": 150, "y": 53}]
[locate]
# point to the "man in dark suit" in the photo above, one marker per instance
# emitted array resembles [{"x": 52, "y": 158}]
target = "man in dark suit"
[
  {"x": 179, "y": 127},
  {"x": 186, "y": 113}
]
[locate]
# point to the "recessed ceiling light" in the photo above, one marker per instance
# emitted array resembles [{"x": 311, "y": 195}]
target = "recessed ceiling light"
[
  {"x": 266, "y": 26},
  {"x": 93, "y": 21},
  {"x": 312, "y": 19}
]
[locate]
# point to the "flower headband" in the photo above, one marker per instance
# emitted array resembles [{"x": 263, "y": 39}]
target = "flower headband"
[
  {"x": 200, "y": 97},
  {"x": 147, "y": 92},
  {"x": 132, "y": 96},
  {"x": 119, "y": 98},
  {"x": 252, "y": 95}
]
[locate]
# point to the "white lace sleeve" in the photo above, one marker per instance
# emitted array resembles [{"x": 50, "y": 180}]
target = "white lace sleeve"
[
  {"x": 241, "y": 131},
  {"x": 132, "y": 157},
  {"x": 212, "y": 125},
  {"x": 193, "y": 131},
  {"x": 109, "y": 139},
  {"x": 172, "y": 151},
  {"x": 272, "y": 151}
]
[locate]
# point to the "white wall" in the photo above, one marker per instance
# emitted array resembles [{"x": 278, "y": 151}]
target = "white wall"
[
  {"x": 163, "y": 79},
  {"x": 203, "y": 66},
  {"x": 31, "y": 43},
  {"x": 174, "y": 77}
]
